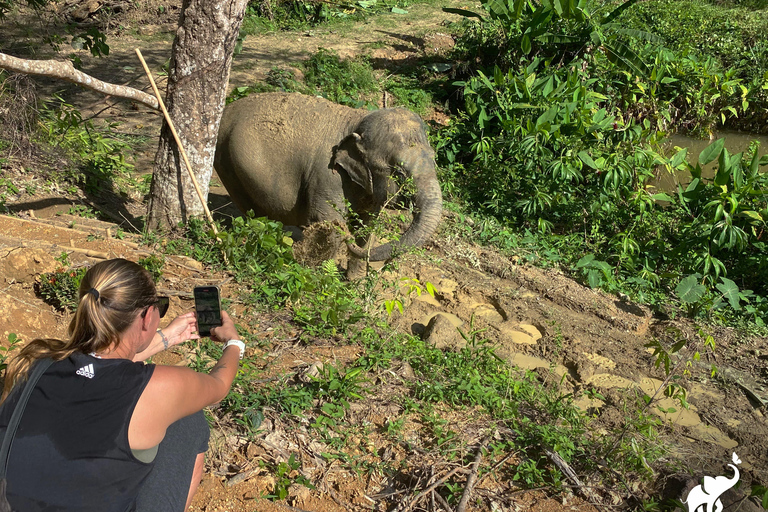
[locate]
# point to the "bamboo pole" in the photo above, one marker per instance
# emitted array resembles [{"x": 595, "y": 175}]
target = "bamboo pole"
[{"x": 178, "y": 142}]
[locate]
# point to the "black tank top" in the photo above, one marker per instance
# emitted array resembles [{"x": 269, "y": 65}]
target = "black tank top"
[{"x": 71, "y": 450}]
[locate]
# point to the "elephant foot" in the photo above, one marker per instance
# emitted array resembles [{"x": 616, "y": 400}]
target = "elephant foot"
[{"x": 356, "y": 268}]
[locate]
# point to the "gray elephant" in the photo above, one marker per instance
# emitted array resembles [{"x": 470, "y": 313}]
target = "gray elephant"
[{"x": 296, "y": 159}]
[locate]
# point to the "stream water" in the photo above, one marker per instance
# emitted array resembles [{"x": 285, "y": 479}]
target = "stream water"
[{"x": 735, "y": 142}]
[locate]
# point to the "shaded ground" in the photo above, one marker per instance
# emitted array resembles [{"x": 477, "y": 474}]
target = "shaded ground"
[{"x": 538, "y": 319}]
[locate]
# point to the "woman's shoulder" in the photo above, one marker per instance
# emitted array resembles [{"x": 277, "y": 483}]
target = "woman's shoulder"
[{"x": 91, "y": 367}]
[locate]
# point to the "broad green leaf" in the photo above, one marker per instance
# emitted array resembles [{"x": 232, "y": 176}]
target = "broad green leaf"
[
  {"x": 398, "y": 10},
  {"x": 584, "y": 157},
  {"x": 753, "y": 215},
  {"x": 594, "y": 278},
  {"x": 525, "y": 44},
  {"x": 661, "y": 196},
  {"x": 585, "y": 260},
  {"x": 711, "y": 152},
  {"x": 753, "y": 165},
  {"x": 690, "y": 290},
  {"x": 549, "y": 86},
  {"x": 730, "y": 291},
  {"x": 617, "y": 11},
  {"x": 679, "y": 157}
]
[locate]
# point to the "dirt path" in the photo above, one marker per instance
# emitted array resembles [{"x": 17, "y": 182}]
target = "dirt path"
[{"x": 538, "y": 320}]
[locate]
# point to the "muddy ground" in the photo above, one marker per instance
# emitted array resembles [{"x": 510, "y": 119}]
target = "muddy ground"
[{"x": 538, "y": 319}]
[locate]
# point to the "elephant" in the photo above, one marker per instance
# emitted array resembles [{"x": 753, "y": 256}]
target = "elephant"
[{"x": 296, "y": 159}]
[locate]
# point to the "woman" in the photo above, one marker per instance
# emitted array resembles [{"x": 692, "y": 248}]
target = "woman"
[{"x": 98, "y": 421}]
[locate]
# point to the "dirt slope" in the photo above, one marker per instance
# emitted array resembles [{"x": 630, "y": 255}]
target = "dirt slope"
[{"x": 537, "y": 319}]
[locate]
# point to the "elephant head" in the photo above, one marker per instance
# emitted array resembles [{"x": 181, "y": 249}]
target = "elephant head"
[{"x": 387, "y": 148}]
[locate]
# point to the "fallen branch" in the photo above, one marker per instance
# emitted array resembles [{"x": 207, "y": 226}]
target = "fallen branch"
[
  {"x": 443, "y": 503},
  {"x": 405, "y": 507},
  {"x": 66, "y": 71},
  {"x": 472, "y": 479},
  {"x": 568, "y": 472}
]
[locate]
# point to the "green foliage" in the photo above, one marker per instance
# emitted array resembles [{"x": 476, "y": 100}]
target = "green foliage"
[
  {"x": 286, "y": 474},
  {"x": 563, "y": 144},
  {"x": 729, "y": 35},
  {"x": 259, "y": 252},
  {"x": 348, "y": 81},
  {"x": 59, "y": 288},
  {"x": 154, "y": 265},
  {"x": 13, "y": 342},
  {"x": 99, "y": 151},
  {"x": 6, "y": 187},
  {"x": 342, "y": 81},
  {"x": 268, "y": 15},
  {"x": 537, "y": 414},
  {"x": 407, "y": 286}
]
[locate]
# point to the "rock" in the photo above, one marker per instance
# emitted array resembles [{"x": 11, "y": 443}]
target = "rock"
[
  {"x": 405, "y": 371},
  {"x": 442, "y": 332},
  {"x": 24, "y": 265},
  {"x": 298, "y": 494},
  {"x": 310, "y": 373}
]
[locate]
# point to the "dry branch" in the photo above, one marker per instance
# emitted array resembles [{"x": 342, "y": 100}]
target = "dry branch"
[
  {"x": 472, "y": 479},
  {"x": 406, "y": 506},
  {"x": 571, "y": 474},
  {"x": 66, "y": 71}
]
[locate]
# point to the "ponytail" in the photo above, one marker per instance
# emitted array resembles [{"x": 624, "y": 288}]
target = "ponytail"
[{"x": 111, "y": 295}]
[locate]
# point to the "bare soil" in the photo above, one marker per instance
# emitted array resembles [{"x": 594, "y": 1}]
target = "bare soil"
[{"x": 540, "y": 320}]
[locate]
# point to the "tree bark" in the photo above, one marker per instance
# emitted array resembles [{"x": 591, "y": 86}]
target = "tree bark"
[
  {"x": 66, "y": 71},
  {"x": 197, "y": 87}
]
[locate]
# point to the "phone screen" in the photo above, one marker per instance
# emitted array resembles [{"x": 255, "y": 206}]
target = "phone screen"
[{"x": 208, "y": 309}]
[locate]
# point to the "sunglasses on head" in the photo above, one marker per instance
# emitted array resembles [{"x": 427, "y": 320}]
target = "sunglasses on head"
[{"x": 161, "y": 304}]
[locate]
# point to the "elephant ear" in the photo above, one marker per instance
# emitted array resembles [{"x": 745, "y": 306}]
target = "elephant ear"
[{"x": 349, "y": 156}]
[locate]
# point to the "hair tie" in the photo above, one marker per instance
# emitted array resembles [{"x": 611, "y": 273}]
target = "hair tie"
[{"x": 95, "y": 293}]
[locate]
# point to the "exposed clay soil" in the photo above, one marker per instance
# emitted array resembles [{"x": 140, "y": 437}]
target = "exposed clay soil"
[{"x": 538, "y": 319}]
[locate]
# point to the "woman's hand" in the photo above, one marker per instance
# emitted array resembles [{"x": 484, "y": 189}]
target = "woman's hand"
[
  {"x": 226, "y": 331},
  {"x": 181, "y": 329}
]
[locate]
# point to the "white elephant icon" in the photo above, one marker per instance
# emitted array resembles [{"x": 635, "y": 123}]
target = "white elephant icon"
[{"x": 706, "y": 496}]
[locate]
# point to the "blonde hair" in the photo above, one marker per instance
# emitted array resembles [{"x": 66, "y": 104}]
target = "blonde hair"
[{"x": 111, "y": 295}]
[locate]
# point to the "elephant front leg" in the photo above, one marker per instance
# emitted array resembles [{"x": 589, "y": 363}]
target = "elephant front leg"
[{"x": 365, "y": 237}]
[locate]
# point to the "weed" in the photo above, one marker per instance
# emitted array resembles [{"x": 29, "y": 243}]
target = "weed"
[
  {"x": 81, "y": 210},
  {"x": 407, "y": 287},
  {"x": 154, "y": 265},
  {"x": 13, "y": 342},
  {"x": 286, "y": 474},
  {"x": 60, "y": 288}
]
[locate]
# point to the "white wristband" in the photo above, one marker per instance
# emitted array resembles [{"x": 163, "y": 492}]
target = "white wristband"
[{"x": 237, "y": 343}]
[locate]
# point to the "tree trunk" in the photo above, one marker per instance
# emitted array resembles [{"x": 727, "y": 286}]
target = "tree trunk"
[{"x": 197, "y": 87}]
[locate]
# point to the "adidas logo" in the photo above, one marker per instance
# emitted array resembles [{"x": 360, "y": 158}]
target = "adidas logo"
[{"x": 86, "y": 371}]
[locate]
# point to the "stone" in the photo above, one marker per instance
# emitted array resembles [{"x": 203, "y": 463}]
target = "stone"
[
  {"x": 24, "y": 265},
  {"x": 443, "y": 332}
]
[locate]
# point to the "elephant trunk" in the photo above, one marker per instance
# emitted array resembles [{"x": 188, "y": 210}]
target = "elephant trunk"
[{"x": 427, "y": 213}]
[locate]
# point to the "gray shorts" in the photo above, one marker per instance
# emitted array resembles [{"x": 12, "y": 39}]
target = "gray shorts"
[{"x": 167, "y": 486}]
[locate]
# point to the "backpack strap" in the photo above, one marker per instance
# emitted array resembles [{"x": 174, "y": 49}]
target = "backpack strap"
[{"x": 13, "y": 424}]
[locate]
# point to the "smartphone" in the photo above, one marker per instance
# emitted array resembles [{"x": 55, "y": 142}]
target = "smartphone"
[{"x": 208, "y": 308}]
